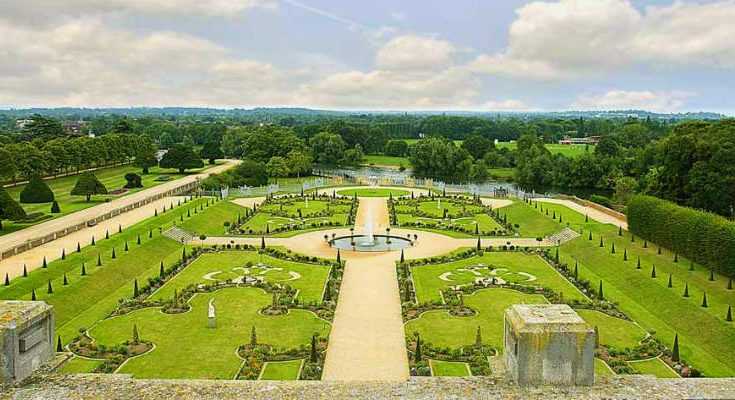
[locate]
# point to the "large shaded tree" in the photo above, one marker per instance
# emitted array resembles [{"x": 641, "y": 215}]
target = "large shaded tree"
[
  {"x": 212, "y": 151},
  {"x": 88, "y": 185},
  {"x": 182, "y": 158}
]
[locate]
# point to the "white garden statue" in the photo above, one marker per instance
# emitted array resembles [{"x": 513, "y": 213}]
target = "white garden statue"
[{"x": 212, "y": 314}]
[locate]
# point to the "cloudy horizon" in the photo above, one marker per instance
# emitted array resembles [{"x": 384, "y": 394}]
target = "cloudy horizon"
[{"x": 655, "y": 55}]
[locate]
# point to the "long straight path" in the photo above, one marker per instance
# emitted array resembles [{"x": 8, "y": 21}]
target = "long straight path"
[
  {"x": 35, "y": 232},
  {"x": 367, "y": 339}
]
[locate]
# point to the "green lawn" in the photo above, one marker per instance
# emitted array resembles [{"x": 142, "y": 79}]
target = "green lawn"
[
  {"x": 601, "y": 369},
  {"x": 516, "y": 267},
  {"x": 463, "y": 219},
  {"x": 502, "y": 173},
  {"x": 703, "y": 332},
  {"x": 574, "y": 150},
  {"x": 187, "y": 348},
  {"x": 387, "y": 160},
  {"x": 444, "y": 330},
  {"x": 281, "y": 217},
  {"x": 528, "y": 221},
  {"x": 210, "y": 222},
  {"x": 373, "y": 192},
  {"x": 113, "y": 178},
  {"x": 281, "y": 370},
  {"x": 613, "y": 332},
  {"x": 87, "y": 299},
  {"x": 448, "y": 368},
  {"x": 308, "y": 279},
  {"x": 78, "y": 365},
  {"x": 655, "y": 367}
]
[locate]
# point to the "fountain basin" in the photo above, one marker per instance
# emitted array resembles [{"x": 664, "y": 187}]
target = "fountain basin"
[{"x": 362, "y": 243}]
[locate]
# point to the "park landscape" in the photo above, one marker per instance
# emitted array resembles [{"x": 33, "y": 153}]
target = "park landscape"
[
  {"x": 256, "y": 274},
  {"x": 452, "y": 302}
]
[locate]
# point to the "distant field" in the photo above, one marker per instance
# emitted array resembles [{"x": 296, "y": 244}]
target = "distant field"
[
  {"x": 573, "y": 150},
  {"x": 387, "y": 160}
]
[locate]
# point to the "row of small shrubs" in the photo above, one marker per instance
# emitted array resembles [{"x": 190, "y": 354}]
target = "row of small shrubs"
[{"x": 703, "y": 237}]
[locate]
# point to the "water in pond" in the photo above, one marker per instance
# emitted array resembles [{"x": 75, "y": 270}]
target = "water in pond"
[{"x": 364, "y": 243}]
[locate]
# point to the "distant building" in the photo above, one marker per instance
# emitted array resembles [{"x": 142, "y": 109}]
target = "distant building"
[
  {"x": 593, "y": 140},
  {"x": 22, "y": 123}
]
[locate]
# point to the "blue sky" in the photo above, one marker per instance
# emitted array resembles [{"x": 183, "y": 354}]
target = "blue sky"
[{"x": 381, "y": 55}]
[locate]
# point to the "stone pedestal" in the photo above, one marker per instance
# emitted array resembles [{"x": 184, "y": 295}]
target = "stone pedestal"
[
  {"x": 26, "y": 338},
  {"x": 212, "y": 322},
  {"x": 548, "y": 344}
]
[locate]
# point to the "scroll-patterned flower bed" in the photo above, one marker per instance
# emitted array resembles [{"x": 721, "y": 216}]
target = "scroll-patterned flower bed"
[
  {"x": 271, "y": 316},
  {"x": 285, "y": 216},
  {"x": 459, "y": 216}
]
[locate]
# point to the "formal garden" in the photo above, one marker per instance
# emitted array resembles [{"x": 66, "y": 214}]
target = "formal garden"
[
  {"x": 274, "y": 308},
  {"x": 291, "y": 214},
  {"x": 454, "y": 306},
  {"x": 456, "y": 216},
  {"x": 272, "y": 314}
]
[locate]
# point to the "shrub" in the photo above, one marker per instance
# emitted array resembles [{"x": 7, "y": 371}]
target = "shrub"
[
  {"x": 133, "y": 181},
  {"x": 55, "y": 209},
  {"x": 601, "y": 200},
  {"x": 36, "y": 191},
  {"x": 703, "y": 237},
  {"x": 9, "y": 208}
]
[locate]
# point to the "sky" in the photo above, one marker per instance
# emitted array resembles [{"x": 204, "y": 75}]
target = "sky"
[{"x": 481, "y": 55}]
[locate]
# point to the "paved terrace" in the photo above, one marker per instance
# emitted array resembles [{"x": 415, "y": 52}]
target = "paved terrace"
[{"x": 36, "y": 235}]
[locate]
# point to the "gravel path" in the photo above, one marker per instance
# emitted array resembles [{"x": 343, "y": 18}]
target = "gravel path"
[
  {"x": 367, "y": 339},
  {"x": 596, "y": 215}
]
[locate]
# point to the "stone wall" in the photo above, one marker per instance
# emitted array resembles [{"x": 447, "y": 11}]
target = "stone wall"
[{"x": 93, "y": 386}]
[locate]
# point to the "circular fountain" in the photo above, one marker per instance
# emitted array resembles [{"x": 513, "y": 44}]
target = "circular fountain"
[{"x": 370, "y": 243}]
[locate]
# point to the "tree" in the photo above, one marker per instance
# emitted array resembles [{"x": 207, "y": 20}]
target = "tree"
[
  {"x": 478, "y": 337},
  {"x": 675, "y": 350},
  {"x": 625, "y": 189},
  {"x": 145, "y": 155},
  {"x": 396, "y": 148},
  {"x": 8, "y": 168},
  {"x": 353, "y": 156},
  {"x": 313, "y": 355},
  {"x": 136, "y": 335},
  {"x": 253, "y": 336},
  {"x": 182, "y": 158},
  {"x": 328, "y": 148},
  {"x": 133, "y": 181},
  {"x": 477, "y": 146},
  {"x": 277, "y": 167},
  {"x": 88, "y": 185},
  {"x": 36, "y": 191},
  {"x": 417, "y": 354},
  {"x": 212, "y": 150},
  {"x": 300, "y": 162},
  {"x": 9, "y": 208}
]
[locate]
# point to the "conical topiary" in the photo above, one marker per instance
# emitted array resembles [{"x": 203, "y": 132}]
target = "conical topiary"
[
  {"x": 25, "y": 271},
  {"x": 653, "y": 271},
  {"x": 45, "y": 264},
  {"x": 728, "y": 318},
  {"x": 66, "y": 280},
  {"x": 49, "y": 288},
  {"x": 686, "y": 289},
  {"x": 670, "y": 284},
  {"x": 33, "y": 295},
  {"x": 7, "y": 279},
  {"x": 600, "y": 293},
  {"x": 59, "y": 347},
  {"x": 675, "y": 350},
  {"x": 704, "y": 300}
]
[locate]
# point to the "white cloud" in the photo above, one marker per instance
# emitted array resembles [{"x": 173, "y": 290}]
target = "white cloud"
[
  {"x": 573, "y": 38},
  {"x": 43, "y": 9},
  {"x": 412, "y": 52},
  {"x": 633, "y": 100}
]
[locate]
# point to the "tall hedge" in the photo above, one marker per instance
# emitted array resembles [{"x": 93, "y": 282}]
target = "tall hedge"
[
  {"x": 706, "y": 238},
  {"x": 36, "y": 191}
]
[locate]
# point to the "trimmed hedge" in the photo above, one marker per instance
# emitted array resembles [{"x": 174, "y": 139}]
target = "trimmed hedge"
[
  {"x": 36, "y": 191},
  {"x": 9, "y": 208},
  {"x": 706, "y": 238}
]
